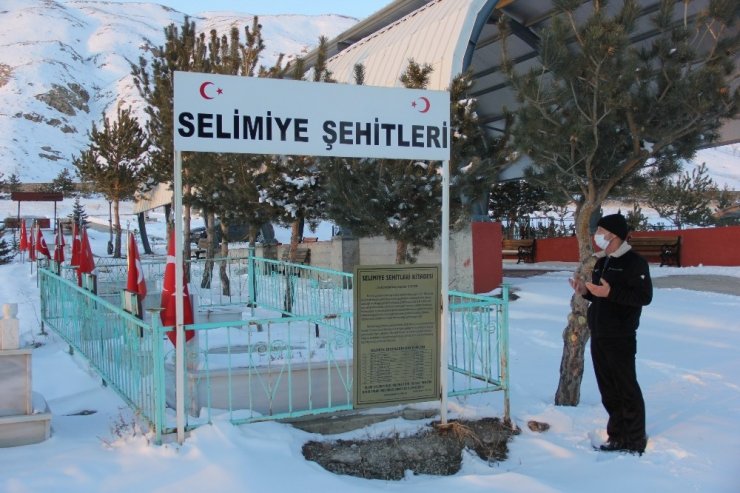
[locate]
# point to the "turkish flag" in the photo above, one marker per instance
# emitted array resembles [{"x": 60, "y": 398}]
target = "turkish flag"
[
  {"x": 168, "y": 302},
  {"x": 59, "y": 247},
  {"x": 31, "y": 245},
  {"x": 75, "y": 260},
  {"x": 135, "y": 282},
  {"x": 87, "y": 262},
  {"x": 23, "y": 243},
  {"x": 41, "y": 247}
]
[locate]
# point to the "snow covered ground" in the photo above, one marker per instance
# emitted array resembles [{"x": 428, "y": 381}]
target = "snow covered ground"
[{"x": 688, "y": 366}]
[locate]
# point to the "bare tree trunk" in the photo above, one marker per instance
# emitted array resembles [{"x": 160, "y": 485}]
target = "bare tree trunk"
[
  {"x": 117, "y": 229},
  {"x": 576, "y": 333},
  {"x": 401, "y": 251},
  {"x": 187, "y": 252},
  {"x": 205, "y": 281},
  {"x": 295, "y": 237},
  {"x": 253, "y": 232},
  {"x": 142, "y": 232},
  {"x": 575, "y": 337},
  {"x": 222, "y": 268}
]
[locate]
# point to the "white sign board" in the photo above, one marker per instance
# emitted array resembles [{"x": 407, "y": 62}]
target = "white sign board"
[
  {"x": 224, "y": 113},
  {"x": 231, "y": 114}
]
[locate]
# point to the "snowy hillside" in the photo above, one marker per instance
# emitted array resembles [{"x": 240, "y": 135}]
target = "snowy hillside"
[{"x": 63, "y": 65}]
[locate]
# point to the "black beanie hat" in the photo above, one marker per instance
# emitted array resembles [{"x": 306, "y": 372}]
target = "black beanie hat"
[{"x": 615, "y": 224}]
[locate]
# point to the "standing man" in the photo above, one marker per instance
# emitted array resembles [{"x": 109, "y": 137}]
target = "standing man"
[{"x": 620, "y": 286}]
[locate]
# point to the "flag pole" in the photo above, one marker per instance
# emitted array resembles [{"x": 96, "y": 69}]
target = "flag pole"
[
  {"x": 179, "y": 331},
  {"x": 445, "y": 290}
]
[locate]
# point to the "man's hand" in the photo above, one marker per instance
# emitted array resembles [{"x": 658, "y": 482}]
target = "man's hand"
[
  {"x": 600, "y": 290},
  {"x": 577, "y": 285}
]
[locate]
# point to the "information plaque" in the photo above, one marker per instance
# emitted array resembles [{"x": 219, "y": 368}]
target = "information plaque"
[{"x": 396, "y": 334}]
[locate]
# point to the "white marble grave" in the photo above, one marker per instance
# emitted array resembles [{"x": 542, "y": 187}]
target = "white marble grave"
[{"x": 24, "y": 414}]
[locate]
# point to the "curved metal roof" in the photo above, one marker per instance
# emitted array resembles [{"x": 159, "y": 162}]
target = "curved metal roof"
[
  {"x": 436, "y": 33},
  {"x": 454, "y": 35}
]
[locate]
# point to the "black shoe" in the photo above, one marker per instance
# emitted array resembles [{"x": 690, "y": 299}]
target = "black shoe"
[
  {"x": 611, "y": 445},
  {"x": 629, "y": 446},
  {"x": 636, "y": 446}
]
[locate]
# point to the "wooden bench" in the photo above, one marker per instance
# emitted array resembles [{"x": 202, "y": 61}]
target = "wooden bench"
[
  {"x": 523, "y": 249},
  {"x": 66, "y": 225},
  {"x": 303, "y": 255},
  {"x": 200, "y": 251},
  {"x": 668, "y": 248},
  {"x": 14, "y": 223}
]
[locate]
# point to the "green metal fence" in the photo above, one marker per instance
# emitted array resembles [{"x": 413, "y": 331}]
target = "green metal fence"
[
  {"x": 126, "y": 352},
  {"x": 479, "y": 344},
  {"x": 273, "y": 340}
]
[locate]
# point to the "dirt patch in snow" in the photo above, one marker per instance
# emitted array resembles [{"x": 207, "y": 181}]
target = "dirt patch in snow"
[{"x": 436, "y": 450}]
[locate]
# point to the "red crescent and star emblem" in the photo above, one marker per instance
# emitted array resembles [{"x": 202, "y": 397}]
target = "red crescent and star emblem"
[
  {"x": 421, "y": 104},
  {"x": 204, "y": 86}
]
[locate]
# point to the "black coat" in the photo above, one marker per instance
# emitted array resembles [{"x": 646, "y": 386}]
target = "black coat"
[{"x": 618, "y": 315}]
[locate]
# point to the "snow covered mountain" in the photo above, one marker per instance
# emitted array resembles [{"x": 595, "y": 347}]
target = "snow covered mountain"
[{"x": 62, "y": 65}]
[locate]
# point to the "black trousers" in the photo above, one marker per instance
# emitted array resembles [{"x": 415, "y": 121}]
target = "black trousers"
[{"x": 614, "y": 365}]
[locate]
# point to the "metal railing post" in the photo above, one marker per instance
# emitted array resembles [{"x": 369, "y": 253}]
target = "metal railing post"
[
  {"x": 504, "y": 350},
  {"x": 158, "y": 387}
]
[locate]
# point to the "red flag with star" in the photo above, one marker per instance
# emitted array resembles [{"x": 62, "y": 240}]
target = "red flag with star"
[
  {"x": 168, "y": 302},
  {"x": 41, "y": 247},
  {"x": 23, "y": 243},
  {"x": 87, "y": 261},
  {"x": 75, "y": 260},
  {"x": 135, "y": 282},
  {"x": 31, "y": 245},
  {"x": 59, "y": 246}
]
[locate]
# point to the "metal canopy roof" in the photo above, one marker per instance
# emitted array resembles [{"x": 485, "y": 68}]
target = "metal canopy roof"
[{"x": 454, "y": 35}]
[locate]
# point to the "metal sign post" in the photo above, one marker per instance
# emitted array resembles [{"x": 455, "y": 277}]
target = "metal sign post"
[
  {"x": 179, "y": 312},
  {"x": 445, "y": 253}
]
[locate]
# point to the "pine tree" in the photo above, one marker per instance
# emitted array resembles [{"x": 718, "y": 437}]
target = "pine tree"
[
  {"x": 398, "y": 199},
  {"x": 63, "y": 182},
  {"x": 154, "y": 81},
  {"x": 7, "y": 252},
  {"x": 636, "y": 220},
  {"x": 183, "y": 51},
  {"x": 295, "y": 185},
  {"x": 14, "y": 183},
  {"x": 516, "y": 200},
  {"x": 224, "y": 185},
  {"x": 725, "y": 201},
  {"x": 78, "y": 215},
  {"x": 607, "y": 112},
  {"x": 186, "y": 51},
  {"x": 476, "y": 159},
  {"x": 114, "y": 161},
  {"x": 685, "y": 200},
  {"x": 362, "y": 194}
]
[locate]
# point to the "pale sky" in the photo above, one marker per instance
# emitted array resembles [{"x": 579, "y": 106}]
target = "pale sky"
[{"x": 353, "y": 8}]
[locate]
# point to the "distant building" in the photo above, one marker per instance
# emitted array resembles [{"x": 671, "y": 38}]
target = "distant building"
[{"x": 456, "y": 35}]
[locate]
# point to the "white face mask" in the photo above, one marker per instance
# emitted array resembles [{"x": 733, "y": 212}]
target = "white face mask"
[{"x": 601, "y": 241}]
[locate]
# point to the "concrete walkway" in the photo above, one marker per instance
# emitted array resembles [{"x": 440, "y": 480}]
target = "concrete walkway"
[
  {"x": 711, "y": 283},
  {"x": 704, "y": 282}
]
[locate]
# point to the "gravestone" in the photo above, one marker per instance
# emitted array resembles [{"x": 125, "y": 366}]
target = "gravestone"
[{"x": 24, "y": 415}]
